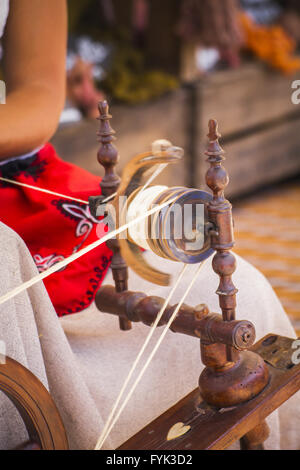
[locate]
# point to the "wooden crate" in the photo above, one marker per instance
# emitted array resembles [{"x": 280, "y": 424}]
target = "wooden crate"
[
  {"x": 257, "y": 119},
  {"x": 258, "y": 122},
  {"x": 246, "y": 97},
  {"x": 263, "y": 158}
]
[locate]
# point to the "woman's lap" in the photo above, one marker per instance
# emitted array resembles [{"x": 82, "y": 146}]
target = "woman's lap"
[{"x": 105, "y": 354}]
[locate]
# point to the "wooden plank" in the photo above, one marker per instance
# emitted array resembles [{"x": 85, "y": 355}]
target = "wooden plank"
[
  {"x": 259, "y": 159},
  {"x": 218, "y": 429},
  {"x": 238, "y": 99},
  {"x": 243, "y": 98}
]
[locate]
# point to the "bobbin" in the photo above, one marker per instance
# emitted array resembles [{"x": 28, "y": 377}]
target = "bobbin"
[{"x": 179, "y": 231}]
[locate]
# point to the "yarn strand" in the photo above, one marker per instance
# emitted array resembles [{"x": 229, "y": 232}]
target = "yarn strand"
[{"x": 152, "y": 354}]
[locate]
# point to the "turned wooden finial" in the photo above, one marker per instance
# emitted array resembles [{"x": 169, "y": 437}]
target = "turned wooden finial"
[
  {"x": 108, "y": 155},
  {"x": 216, "y": 177},
  {"x": 214, "y": 151},
  {"x": 213, "y": 133}
]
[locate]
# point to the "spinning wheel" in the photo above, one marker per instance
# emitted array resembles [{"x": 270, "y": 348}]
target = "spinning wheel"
[
  {"x": 242, "y": 382},
  {"x": 35, "y": 405},
  {"x": 241, "y": 378}
]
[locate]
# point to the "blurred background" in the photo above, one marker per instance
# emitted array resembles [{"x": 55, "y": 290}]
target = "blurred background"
[{"x": 167, "y": 67}]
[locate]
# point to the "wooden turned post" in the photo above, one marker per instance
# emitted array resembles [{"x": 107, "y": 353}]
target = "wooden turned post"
[
  {"x": 231, "y": 376},
  {"x": 220, "y": 210},
  {"x": 108, "y": 157},
  {"x": 224, "y": 262},
  {"x": 254, "y": 439}
]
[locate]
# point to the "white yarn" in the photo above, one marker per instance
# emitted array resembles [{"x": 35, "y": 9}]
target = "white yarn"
[
  {"x": 141, "y": 204},
  {"x": 152, "y": 354},
  {"x": 53, "y": 193},
  {"x": 137, "y": 360},
  {"x": 42, "y": 190},
  {"x": 62, "y": 264}
]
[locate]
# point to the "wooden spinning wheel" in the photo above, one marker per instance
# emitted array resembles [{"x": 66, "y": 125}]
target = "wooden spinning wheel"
[
  {"x": 242, "y": 382},
  {"x": 35, "y": 405}
]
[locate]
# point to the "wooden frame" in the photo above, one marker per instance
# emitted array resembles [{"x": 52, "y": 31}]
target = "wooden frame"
[
  {"x": 35, "y": 405},
  {"x": 241, "y": 385}
]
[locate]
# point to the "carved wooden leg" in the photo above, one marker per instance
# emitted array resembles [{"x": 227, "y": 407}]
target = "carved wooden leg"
[{"x": 255, "y": 438}]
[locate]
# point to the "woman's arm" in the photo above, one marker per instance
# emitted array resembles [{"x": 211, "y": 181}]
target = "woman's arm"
[{"x": 34, "y": 72}]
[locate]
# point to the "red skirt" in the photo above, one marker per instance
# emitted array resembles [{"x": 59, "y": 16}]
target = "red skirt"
[{"x": 53, "y": 227}]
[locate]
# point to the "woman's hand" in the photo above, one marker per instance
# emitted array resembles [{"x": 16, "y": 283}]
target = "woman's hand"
[{"x": 34, "y": 71}]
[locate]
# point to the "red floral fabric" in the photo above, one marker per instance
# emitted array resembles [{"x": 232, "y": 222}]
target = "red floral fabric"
[{"x": 53, "y": 227}]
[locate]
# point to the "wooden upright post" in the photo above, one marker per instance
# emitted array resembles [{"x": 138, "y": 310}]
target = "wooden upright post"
[
  {"x": 108, "y": 157},
  {"x": 220, "y": 212},
  {"x": 231, "y": 376}
]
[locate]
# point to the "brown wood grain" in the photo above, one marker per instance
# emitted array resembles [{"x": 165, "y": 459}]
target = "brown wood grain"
[
  {"x": 217, "y": 429},
  {"x": 245, "y": 97},
  {"x": 35, "y": 405},
  {"x": 259, "y": 159}
]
